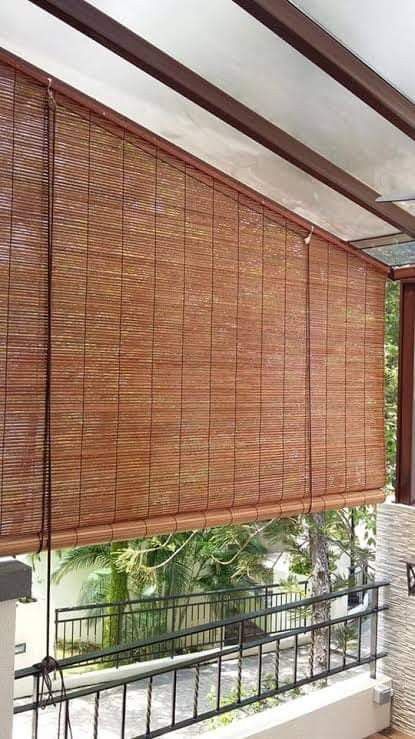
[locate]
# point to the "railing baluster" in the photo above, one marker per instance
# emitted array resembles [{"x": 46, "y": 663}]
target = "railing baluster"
[
  {"x": 359, "y": 643},
  {"x": 312, "y": 638},
  {"x": 149, "y": 701},
  {"x": 295, "y": 658},
  {"x": 374, "y": 630},
  {"x": 56, "y": 633},
  {"x": 239, "y": 683},
  {"x": 35, "y": 713},
  {"x": 96, "y": 714},
  {"x": 259, "y": 669},
  {"x": 173, "y": 699},
  {"x": 329, "y": 648},
  {"x": 219, "y": 683},
  {"x": 66, "y": 725},
  {"x": 344, "y": 643},
  {"x": 277, "y": 665},
  {"x": 173, "y": 618},
  {"x": 123, "y": 710},
  {"x": 196, "y": 691}
]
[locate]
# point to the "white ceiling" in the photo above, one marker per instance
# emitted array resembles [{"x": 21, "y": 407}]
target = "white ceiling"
[{"x": 381, "y": 32}]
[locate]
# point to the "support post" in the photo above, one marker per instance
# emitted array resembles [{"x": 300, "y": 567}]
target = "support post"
[
  {"x": 15, "y": 582},
  {"x": 374, "y": 631},
  {"x": 405, "y": 491},
  {"x": 395, "y": 547}
]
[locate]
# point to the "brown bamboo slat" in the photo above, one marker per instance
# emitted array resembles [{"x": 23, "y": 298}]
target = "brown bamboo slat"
[{"x": 206, "y": 367}]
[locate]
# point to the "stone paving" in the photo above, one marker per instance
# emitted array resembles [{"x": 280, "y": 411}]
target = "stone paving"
[{"x": 110, "y": 703}]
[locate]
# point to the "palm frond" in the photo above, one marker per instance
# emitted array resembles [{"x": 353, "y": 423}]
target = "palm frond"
[{"x": 82, "y": 558}]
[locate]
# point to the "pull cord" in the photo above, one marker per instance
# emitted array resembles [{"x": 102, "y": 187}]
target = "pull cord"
[
  {"x": 47, "y": 513},
  {"x": 307, "y": 243},
  {"x": 49, "y": 664}
]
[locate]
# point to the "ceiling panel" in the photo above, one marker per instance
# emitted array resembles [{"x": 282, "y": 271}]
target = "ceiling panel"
[
  {"x": 230, "y": 48},
  {"x": 67, "y": 54},
  {"x": 380, "y": 32},
  {"x": 395, "y": 255}
]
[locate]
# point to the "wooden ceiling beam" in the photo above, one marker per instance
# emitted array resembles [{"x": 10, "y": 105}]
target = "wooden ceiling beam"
[{"x": 133, "y": 48}]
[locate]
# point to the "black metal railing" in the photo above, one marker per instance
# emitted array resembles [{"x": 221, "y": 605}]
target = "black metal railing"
[
  {"x": 359, "y": 575},
  {"x": 82, "y": 629},
  {"x": 180, "y": 692}
]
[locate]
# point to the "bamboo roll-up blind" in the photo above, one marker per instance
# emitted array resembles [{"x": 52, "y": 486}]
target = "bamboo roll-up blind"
[{"x": 207, "y": 366}]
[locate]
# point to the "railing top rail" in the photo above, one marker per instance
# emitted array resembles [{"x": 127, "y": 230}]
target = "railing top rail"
[
  {"x": 176, "y": 596},
  {"x": 210, "y": 656},
  {"x": 119, "y": 649},
  {"x": 161, "y": 607}
]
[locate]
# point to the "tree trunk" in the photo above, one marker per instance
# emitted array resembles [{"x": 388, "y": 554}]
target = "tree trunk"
[
  {"x": 118, "y": 591},
  {"x": 320, "y": 584}
]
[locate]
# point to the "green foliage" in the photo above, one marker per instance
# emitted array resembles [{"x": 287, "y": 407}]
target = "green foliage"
[
  {"x": 338, "y": 531},
  {"x": 231, "y": 698},
  {"x": 226, "y": 556},
  {"x": 82, "y": 558},
  {"x": 391, "y": 379},
  {"x": 211, "y": 559}
]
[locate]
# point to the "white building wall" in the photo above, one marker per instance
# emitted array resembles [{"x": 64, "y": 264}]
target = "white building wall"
[
  {"x": 7, "y": 622},
  {"x": 31, "y": 617}
]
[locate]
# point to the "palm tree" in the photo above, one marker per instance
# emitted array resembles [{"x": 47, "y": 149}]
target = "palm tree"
[
  {"x": 107, "y": 582},
  {"x": 211, "y": 559},
  {"x": 192, "y": 562}
]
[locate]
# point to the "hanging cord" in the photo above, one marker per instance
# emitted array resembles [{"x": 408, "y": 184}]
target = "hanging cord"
[
  {"x": 50, "y": 665},
  {"x": 48, "y": 486},
  {"x": 307, "y": 242}
]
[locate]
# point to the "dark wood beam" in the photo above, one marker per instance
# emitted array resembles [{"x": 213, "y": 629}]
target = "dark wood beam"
[
  {"x": 315, "y": 43},
  {"x": 405, "y": 489},
  {"x": 403, "y": 273},
  {"x": 125, "y": 43}
]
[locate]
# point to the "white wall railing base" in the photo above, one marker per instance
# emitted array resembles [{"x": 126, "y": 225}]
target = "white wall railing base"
[{"x": 345, "y": 710}]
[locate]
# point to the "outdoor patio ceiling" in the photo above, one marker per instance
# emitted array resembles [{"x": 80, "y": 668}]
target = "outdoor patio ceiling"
[{"x": 231, "y": 49}]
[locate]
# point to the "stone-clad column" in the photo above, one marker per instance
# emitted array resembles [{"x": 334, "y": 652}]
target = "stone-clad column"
[
  {"x": 15, "y": 582},
  {"x": 395, "y": 545}
]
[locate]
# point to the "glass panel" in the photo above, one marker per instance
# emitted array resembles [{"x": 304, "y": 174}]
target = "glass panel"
[
  {"x": 395, "y": 254},
  {"x": 67, "y": 54},
  {"x": 393, "y": 238},
  {"x": 228, "y": 47},
  {"x": 379, "y": 31}
]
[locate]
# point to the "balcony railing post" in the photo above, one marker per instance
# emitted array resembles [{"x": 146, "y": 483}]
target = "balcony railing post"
[
  {"x": 35, "y": 712},
  {"x": 56, "y": 633},
  {"x": 374, "y": 631},
  {"x": 119, "y": 630}
]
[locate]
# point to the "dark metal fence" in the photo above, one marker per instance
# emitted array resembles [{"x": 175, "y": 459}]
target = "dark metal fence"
[
  {"x": 358, "y": 576},
  {"x": 82, "y": 629},
  {"x": 184, "y": 691}
]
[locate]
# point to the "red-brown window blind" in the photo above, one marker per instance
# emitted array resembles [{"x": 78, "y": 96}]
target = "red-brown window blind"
[{"x": 207, "y": 366}]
